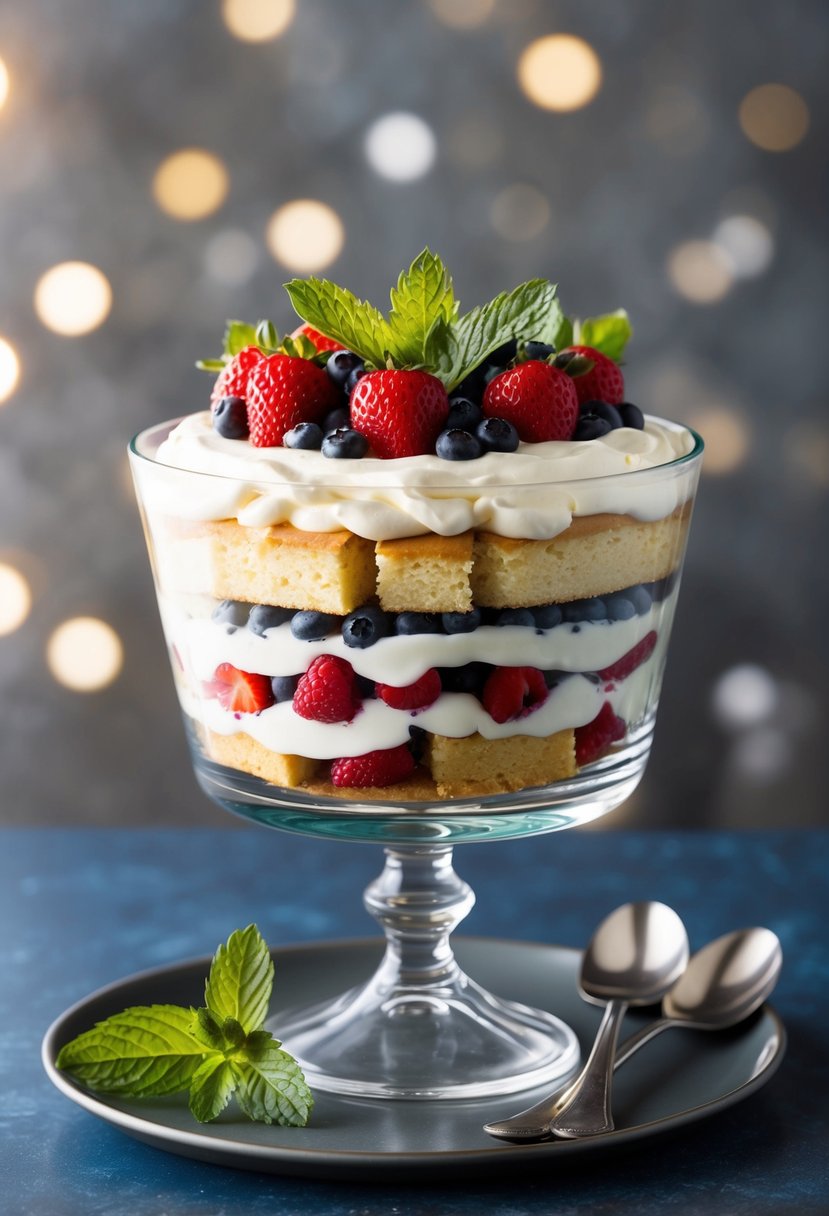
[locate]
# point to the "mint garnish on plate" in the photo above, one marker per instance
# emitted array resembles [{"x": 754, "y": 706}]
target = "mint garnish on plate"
[{"x": 215, "y": 1052}]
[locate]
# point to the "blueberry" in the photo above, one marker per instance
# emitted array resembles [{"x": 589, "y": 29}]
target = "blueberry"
[
  {"x": 517, "y": 616},
  {"x": 631, "y": 415},
  {"x": 303, "y": 435},
  {"x": 284, "y": 687},
  {"x": 344, "y": 444},
  {"x": 335, "y": 419},
  {"x": 464, "y": 415},
  {"x": 266, "y": 616},
  {"x": 231, "y": 612},
  {"x": 457, "y": 445},
  {"x": 620, "y": 608},
  {"x": 417, "y": 742},
  {"x": 538, "y": 350},
  {"x": 367, "y": 688},
  {"x": 589, "y": 426},
  {"x": 310, "y": 626},
  {"x": 553, "y": 678},
  {"x": 230, "y": 418},
  {"x": 491, "y": 370},
  {"x": 593, "y": 609},
  {"x": 547, "y": 616},
  {"x": 417, "y": 622},
  {"x": 353, "y": 377},
  {"x": 341, "y": 364},
  {"x": 502, "y": 355},
  {"x": 461, "y": 622},
  {"x": 600, "y": 409},
  {"x": 497, "y": 435},
  {"x": 470, "y": 678},
  {"x": 640, "y": 597},
  {"x": 365, "y": 627},
  {"x": 473, "y": 384}
]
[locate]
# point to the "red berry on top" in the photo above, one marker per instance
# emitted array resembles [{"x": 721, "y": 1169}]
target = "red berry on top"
[
  {"x": 327, "y": 692},
  {"x": 604, "y": 381},
  {"x": 383, "y": 767},
  {"x": 243, "y": 692},
  {"x": 283, "y": 391},
  {"x": 423, "y": 692},
  {"x": 401, "y": 413},
  {"x": 538, "y": 399},
  {"x": 313, "y": 335},
  {"x": 634, "y": 658},
  {"x": 513, "y": 692},
  {"x": 232, "y": 380},
  {"x": 594, "y": 739}
]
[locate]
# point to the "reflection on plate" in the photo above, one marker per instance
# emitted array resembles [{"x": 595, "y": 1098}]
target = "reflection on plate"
[{"x": 680, "y": 1077}]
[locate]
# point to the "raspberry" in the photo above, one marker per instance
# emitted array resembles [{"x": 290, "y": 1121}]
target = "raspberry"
[
  {"x": 604, "y": 381},
  {"x": 383, "y": 767},
  {"x": 327, "y": 692},
  {"x": 282, "y": 392},
  {"x": 243, "y": 692},
  {"x": 634, "y": 658},
  {"x": 232, "y": 381},
  {"x": 514, "y": 692},
  {"x": 423, "y": 692},
  {"x": 401, "y": 413},
  {"x": 594, "y": 739},
  {"x": 538, "y": 399}
]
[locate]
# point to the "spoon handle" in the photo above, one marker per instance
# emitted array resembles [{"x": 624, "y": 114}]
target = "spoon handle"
[
  {"x": 639, "y": 1038},
  {"x": 584, "y": 1109}
]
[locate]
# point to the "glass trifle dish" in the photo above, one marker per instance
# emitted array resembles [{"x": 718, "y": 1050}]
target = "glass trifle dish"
[{"x": 416, "y": 573}]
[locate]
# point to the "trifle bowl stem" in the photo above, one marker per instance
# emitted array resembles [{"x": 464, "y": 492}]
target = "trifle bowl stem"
[{"x": 420, "y": 1028}]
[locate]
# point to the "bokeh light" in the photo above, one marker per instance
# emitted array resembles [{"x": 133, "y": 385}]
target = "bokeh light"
[
  {"x": 84, "y": 654},
  {"x": 9, "y": 370},
  {"x": 5, "y": 84},
  {"x": 700, "y": 271},
  {"x": 73, "y": 298},
  {"x": 747, "y": 243},
  {"x": 190, "y": 184},
  {"x": 762, "y": 755},
  {"x": 400, "y": 146},
  {"x": 519, "y": 212},
  {"x": 745, "y": 695},
  {"x": 774, "y": 117},
  {"x": 727, "y": 438},
  {"x": 560, "y": 72},
  {"x": 257, "y": 20},
  {"x": 15, "y": 599},
  {"x": 231, "y": 257},
  {"x": 462, "y": 14},
  {"x": 305, "y": 235},
  {"x": 806, "y": 448}
]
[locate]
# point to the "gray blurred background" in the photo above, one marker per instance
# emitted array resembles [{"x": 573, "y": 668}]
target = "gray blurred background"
[{"x": 668, "y": 158}]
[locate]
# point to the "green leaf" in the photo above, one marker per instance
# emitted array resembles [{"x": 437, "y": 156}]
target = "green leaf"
[
  {"x": 609, "y": 333},
  {"x": 211, "y": 365},
  {"x": 240, "y": 980},
  {"x": 208, "y": 1030},
  {"x": 340, "y": 315},
  {"x": 271, "y": 1087},
  {"x": 211, "y": 1087},
  {"x": 265, "y": 335},
  {"x": 564, "y": 334},
  {"x": 423, "y": 296},
  {"x": 233, "y": 1033},
  {"x": 147, "y": 1049},
  {"x": 238, "y": 335}
]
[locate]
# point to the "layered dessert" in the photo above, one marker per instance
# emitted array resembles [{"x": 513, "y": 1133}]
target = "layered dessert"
[{"x": 419, "y": 555}]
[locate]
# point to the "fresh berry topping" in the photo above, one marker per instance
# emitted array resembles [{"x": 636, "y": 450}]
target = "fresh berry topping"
[
  {"x": 231, "y": 612},
  {"x": 603, "y": 382},
  {"x": 640, "y": 597},
  {"x": 593, "y": 609},
  {"x": 537, "y": 350},
  {"x": 230, "y": 418},
  {"x": 284, "y": 688},
  {"x": 504, "y": 353},
  {"x": 594, "y": 739},
  {"x": 632, "y": 416},
  {"x": 341, "y": 364},
  {"x": 547, "y": 616},
  {"x": 514, "y": 692},
  {"x": 590, "y": 426},
  {"x": 242, "y": 692},
  {"x": 464, "y": 415},
  {"x": 306, "y": 435},
  {"x": 423, "y": 692},
  {"x": 344, "y": 444},
  {"x": 523, "y": 617},
  {"x": 417, "y": 622},
  {"x": 600, "y": 409},
  {"x": 461, "y": 622},
  {"x": 309, "y": 626},
  {"x": 538, "y": 399},
  {"x": 469, "y": 678},
  {"x": 319, "y": 340},
  {"x": 472, "y": 386},
  {"x": 457, "y": 445},
  {"x": 232, "y": 380},
  {"x": 497, "y": 435},
  {"x": 266, "y": 616},
  {"x": 282, "y": 392},
  {"x": 336, "y": 419},
  {"x": 365, "y": 627},
  {"x": 620, "y": 607},
  {"x": 352, "y": 379},
  {"x": 327, "y": 692},
  {"x": 366, "y": 688},
  {"x": 401, "y": 413},
  {"x": 378, "y": 768},
  {"x": 633, "y": 659}
]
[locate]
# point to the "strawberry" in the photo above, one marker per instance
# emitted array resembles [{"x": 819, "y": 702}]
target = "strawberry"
[
  {"x": 243, "y": 692},
  {"x": 513, "y": 692},
  {"x": 423, "y": 692},
  {"x": 538, "y": 399},
  {"x": 232, "y": 381},
  {"x": 634, "y": 658},
  {"x": 401, "y": 413},
  {"x": 283, "y": 391},
  {"x": 604, "y": 381},
  {"x": 594, "y": 739},
  {"x": 313, "y": 335},
  {"x": 327, "y": 692},
  {"x": 383, "y": 767}
]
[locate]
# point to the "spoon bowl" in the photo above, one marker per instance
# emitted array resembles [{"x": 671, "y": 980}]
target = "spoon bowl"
[
  {"x": 726, "y": 980},
  {"x": 635, "y": 955}
]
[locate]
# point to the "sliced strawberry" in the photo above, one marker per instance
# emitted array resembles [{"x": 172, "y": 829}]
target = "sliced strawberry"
[
  {"x": 283, "y": 391},
  {"x": 328, "y": 691},
  {"x": 379, "y": 768},
  {"x": 418, "y": 695},
  {"x": 594, "y": 739},
  {"x": 243, "y": 692},
  {"x": 313, "y": 335},
  {"x": 401, "y": 413},
  {"x": 538, "y": 399},
  {"x": 634, "y": 658},
  {"x": 232, "y": 381},
  {"x": 513, "y": 692},
  {"x": 604, "y": 381}
]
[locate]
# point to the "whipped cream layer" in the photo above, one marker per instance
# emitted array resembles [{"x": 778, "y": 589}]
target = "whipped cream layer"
[{"x": 533, "y": 493}]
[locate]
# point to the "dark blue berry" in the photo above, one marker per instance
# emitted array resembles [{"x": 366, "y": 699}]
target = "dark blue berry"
[
  {"x": 457, "y": 445},
  {"x": 470, "y": 678},
  {"x": 517, "y": 616},
  {"x": 353, "y": 377},
  {"x": 600, "y": 409},
  {"x": 266, "y": 616},
  {"x": 640, "y": 597},
  {"x": 303, "y": 435},
  {"x": 590, "y": 426},
  {"x": 310, "y": 626},
  {"x": 417, "y": 742},
  {"x": 366, "y": 688},
  {"x": 472, "y": 386},
  {"x": 553, "y": 678},
  {"x": 502, "y": 355},
  {"x": 497, "y": 435},
  {"x": 593, "y": 609},
  {"x": 461, "y": 622},
  {"x": 620, "y": 608},
  {"x": 341, "y": 364},
  {"x": 335, "y": 419},
  {"x": 417, "y": 622},
  {"x": 538, "y": 350},
  {"x": 547, "y": 616},
  {"x": 344, "y": 444},
  {"x": 491, "y": 370},
  {"x": 231, "y": 612},
  {"x": 464, "y": 415},
  {"x": 230, "y": 418},
  {"x": 365, "y": 627},
  {"x": 284, "y": 687},
  {"x": 631, "y": 415}
]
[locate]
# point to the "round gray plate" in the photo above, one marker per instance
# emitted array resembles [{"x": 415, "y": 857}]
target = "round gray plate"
[{"x": 680, "y": 1077}]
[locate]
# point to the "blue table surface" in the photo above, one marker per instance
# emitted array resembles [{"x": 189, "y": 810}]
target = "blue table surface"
[{"x": 81, "y": 908}]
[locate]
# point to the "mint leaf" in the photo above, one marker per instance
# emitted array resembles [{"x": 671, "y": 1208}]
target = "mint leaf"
[
  {"x": 564, "y": 334},
  {"x": 340, "y": 315},
  {"x": 211, "y": 1088},
  {"x": 240, "y": 980},
  {"x": 423, "y": 296},
  {"x": 608, "y": 333},
  {"x": 211, "y": 365},
  {"x": 238, "y": 335},
  {"x": 147, "y": 1049},
  {"x": 271, "y": 1086},
  {"x": 208, "y": 1030}
]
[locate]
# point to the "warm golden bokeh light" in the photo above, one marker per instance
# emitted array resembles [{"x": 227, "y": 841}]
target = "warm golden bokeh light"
[
  {"x": 462, "y": 14},
  {"x": 519, "y": 213},
  {"x": 73, "y": 298},
  {"x": 560, "y": 72},
  {"x": 305, "y": 235},
  {"x": 4, "y": 84},
  {"x": 774, "y": 117},
  {"x": 9, "y": 370},
  {"x": 700, "y": 271},
  {"x": 257, "y": 20},
  {"x": 806, "y": 447},
  {"x": 190, "y": 184},
  {"x": 726, "y": 436},
  {"x": 15, "y": 599},
  {"x": 84, "y": 654}
]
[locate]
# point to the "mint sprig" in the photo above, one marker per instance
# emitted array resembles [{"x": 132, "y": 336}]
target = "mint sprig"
[
  {"x": 214, "y": 1052},
  {"x": 609, "y": 333},
  {"x": 238, "y": 335}
]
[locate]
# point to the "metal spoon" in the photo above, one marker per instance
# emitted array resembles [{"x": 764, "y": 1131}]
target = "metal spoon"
[{"x": 724, "y": 983}]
